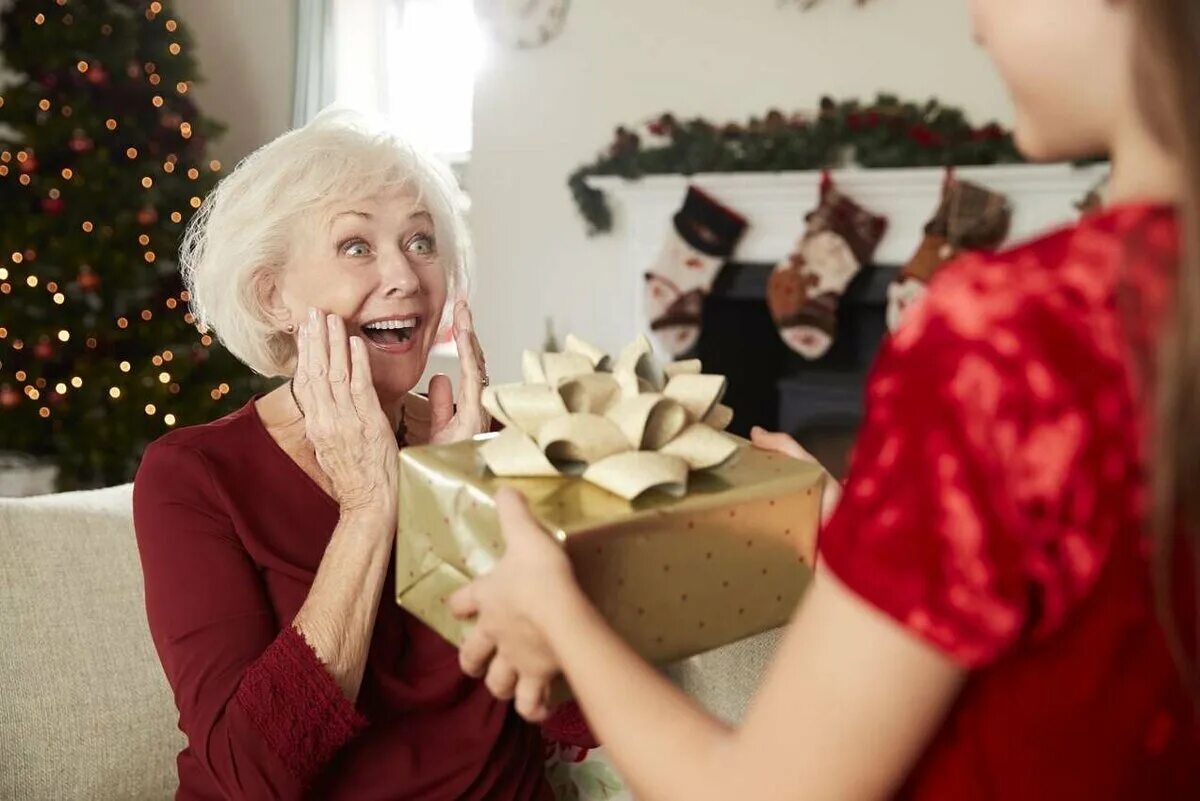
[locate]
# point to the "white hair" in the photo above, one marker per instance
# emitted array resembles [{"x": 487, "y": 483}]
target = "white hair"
[{"x": 247, "y": 224}]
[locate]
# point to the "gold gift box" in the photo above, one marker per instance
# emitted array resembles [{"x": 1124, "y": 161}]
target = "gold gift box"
[{"x": 674, "y": 576}]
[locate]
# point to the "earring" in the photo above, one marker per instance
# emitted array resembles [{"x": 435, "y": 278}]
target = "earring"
[{"x": 291, "y": 328}]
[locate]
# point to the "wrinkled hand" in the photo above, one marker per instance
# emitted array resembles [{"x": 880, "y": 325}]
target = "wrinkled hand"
[
  {"x": 354, "y": 443},
  {"x": 450, "y": 422},
  {"x": 509, "y": 645},
  {"x": 787, "y": 446}
]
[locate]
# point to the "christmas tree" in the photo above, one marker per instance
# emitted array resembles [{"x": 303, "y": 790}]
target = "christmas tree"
[{"x": 102, "y": 162}]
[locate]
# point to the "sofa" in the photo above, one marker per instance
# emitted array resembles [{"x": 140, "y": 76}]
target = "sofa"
[{"x": 85, "y": 711}]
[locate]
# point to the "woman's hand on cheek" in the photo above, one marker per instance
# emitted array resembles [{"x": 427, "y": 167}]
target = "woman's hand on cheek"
[
  {"x": 353, "y": 442},
  {"x": 450, "y": 423},
  {"x": 509, "y": 646}
]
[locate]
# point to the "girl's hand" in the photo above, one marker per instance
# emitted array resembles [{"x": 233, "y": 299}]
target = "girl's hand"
[
  {"x": 509, "y": 644},
  {"x": 449, "y": 423},
  {"x": 354, "y": 444},
  {"x": 783, "y": 444}
]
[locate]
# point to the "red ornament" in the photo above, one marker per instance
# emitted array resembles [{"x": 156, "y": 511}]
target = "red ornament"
[
  {"x": 43, "y": 349},
  {"x": 9, "y": 397},
  {"x": 80, "y": 143},
  {"x": 52, "y": 205},
  {"x": 88, "y": 280},
  {"x": 133, "y": 69},
  {"x": 29, "y": 164},
  {"x": 97, "y": 75},
  {"x": 147, "y": 216}
]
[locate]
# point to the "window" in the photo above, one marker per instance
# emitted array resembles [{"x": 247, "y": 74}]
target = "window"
[{"x": 412, "y": 62}]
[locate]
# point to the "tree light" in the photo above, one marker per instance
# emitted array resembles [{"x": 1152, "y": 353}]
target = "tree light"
[
  {"x": 169, "y": 419},
  {"x": 114, "y": 392},
  {"x": 150, "y": 408},
  {"x": 125, "y": 367},
  {"x": 76, "y": 382},
  {"x": 64, "y": 335}
]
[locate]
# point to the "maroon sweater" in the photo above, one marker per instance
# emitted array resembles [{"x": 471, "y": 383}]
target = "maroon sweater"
[{"x": 231, "y": 532}]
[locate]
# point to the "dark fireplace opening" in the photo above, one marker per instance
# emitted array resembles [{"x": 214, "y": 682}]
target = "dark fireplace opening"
[{"x": 819, "y": 402}]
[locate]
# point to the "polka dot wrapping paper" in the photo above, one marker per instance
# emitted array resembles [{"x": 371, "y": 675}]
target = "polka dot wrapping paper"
[{"x": 674, "y": 576}]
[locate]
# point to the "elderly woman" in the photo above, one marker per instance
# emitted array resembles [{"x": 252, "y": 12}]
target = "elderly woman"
[{"x": 329, "y": 256}]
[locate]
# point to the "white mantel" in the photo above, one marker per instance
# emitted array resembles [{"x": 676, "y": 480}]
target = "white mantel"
[{"x": 1042, "y": 196}]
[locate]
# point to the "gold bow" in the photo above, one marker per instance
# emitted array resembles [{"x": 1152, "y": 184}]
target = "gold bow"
[{"x": 626, "y": 426}]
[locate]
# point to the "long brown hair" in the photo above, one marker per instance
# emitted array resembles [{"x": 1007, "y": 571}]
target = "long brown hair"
[{"x": 1168, "y": 82}]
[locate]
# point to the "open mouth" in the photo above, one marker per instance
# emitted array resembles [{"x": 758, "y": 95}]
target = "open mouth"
[{"x": 390, "y": 333}]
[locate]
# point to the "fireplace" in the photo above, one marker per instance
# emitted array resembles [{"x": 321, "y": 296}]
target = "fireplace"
[{"x": 820, "y": 402}]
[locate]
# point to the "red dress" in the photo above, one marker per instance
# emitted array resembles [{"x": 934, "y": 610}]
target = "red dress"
[
  {"x": 230, "y": 532},
  {"x": 996, "y": 507}
]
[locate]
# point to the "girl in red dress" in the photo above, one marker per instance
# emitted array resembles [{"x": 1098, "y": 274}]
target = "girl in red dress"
[{"x": 993, "y": 616}]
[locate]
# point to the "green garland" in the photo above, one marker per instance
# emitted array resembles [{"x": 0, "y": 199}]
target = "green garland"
[{"x": 886, "y": 133}]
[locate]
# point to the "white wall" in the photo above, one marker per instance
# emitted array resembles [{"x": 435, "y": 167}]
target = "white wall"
[
  {"x": 247, "y": 53},
  {"x": 541, "y": 113}
]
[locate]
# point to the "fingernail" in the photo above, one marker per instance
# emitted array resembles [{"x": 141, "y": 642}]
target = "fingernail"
[
  {"x": 313, "y": 317},
  {"x": 332, "y": 320}
]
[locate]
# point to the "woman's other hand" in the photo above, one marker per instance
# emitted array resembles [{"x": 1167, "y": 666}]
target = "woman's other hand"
[
  {"x": 354, "y": 443},
  {"x": 450, "y": 422},
  {"x": 787, "y": 446}
]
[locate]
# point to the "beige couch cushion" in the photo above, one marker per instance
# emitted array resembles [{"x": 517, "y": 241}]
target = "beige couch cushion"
[
  {"x": 85, "y": 711},
  {"x": 725, "y": 680}
]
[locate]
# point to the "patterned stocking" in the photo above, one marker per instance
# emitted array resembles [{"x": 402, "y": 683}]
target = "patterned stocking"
[
  {"x": 703, "y": 235},
  {"x": 806, "y": 288}
]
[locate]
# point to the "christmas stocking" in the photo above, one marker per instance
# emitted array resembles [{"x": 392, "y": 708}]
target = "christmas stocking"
[
  {"x": 703, "y": 235},
  {"x": 969, "y": 217},
  {"x": 805, "y": 289}
]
